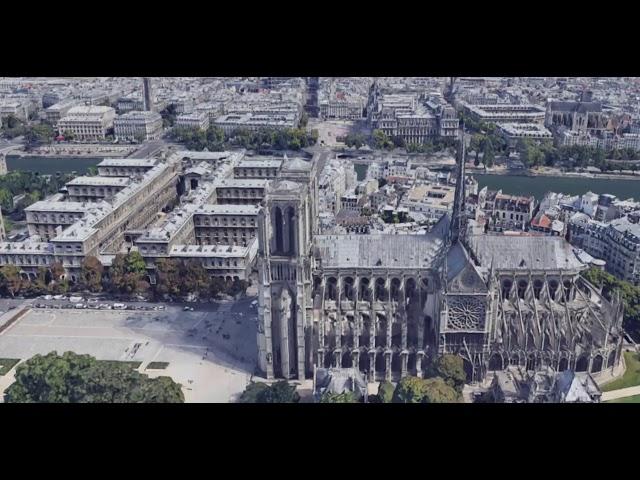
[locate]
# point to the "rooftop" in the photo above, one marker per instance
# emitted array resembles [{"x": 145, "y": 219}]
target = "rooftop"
[
  {"x": 100, "y": 181},
  {"x": 520, "y": 252}
]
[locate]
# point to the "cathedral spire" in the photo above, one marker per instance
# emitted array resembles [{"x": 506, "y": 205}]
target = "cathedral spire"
[{"x": 458, "y": 224}]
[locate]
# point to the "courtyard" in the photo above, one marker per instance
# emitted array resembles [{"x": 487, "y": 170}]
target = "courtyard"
[{"x": 210, "y": 351}]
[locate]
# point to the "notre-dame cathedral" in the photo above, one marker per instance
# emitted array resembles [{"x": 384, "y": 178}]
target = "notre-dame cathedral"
[{"x": 389, "y": 304}]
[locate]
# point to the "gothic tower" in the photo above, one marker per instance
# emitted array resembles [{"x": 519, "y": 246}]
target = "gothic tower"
[{"x": 287, "y": 223}]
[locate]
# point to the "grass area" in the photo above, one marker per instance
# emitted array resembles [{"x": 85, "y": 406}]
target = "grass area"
[
  {"x": 133, "y": 365},
  {"x": 157, "y": 365},
  {"x": 7, "y": 364},
  {"x": 631, "y": 376},
  {"x": 633, "y": 399}
]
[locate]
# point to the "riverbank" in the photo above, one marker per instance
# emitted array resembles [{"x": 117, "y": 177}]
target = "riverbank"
[
  {"x": 552, "y": 173},
  {"x": 539, "y": 185}
]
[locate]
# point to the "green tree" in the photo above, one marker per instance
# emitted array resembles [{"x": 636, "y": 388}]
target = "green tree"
[
  {"x": 91, "y": 274},
  {"x": 346, "y": 397},
  {"x": 409, "y": 390},
  {"x": 10, "y": 279},
  {"x": 252, "y": 392},
  {"x": 6, "y": 200},
  {"x": 127, "y": 273},
  {"x": 451, "y": 369},
  {"x": 436, "y": 390},
  {"x": 381, "y": 140},
  {"x": 488, "y": 156},
  {"x": 193, "y": 277},
  {"x": 385, "y": 392},
  {"x": 73, "y": 378},
  {"x": 279, "y": 392},
  {"x": 168, "y": 277}
]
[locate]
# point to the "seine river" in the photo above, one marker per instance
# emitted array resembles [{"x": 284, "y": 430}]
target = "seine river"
[
  {"x": 539, "y": 186},
  {"x": 51, "y": 165}
]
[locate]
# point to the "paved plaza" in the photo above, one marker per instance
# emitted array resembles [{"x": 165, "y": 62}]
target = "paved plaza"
[{"x": 211, "y": 352}]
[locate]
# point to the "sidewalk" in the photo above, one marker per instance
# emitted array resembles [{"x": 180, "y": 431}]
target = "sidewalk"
[{"x": 621, "y": 393}]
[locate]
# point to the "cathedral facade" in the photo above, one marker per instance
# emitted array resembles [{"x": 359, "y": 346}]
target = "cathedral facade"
[{"x": 390, "y": 304}]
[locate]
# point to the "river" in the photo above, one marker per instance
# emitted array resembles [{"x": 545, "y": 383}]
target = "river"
[
  {"x": 51, "y": 165},
  {"x": 539, "y": 186}
]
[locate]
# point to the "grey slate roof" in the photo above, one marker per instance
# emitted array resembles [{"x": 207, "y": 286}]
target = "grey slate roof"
[
  {"x": 525, "y": 252},
  {"x": 378, "y": 250}
]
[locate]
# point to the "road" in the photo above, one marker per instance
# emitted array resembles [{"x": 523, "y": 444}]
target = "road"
[{"x": 149, "y": 148}]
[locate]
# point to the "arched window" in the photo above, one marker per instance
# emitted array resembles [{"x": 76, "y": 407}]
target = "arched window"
[
  {"x": 522, "y": 288},
  {"x": 506, "y": 288},
  {"x": 277, "y": 226},
  {"x": 596, "y": 365},
  {"x": 291, "y": 226},
  {"x": 537, "y": 288},
  {"x": 348, "y": 288}
]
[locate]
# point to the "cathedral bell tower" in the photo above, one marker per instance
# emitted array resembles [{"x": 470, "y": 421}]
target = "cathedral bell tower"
[{"x": 286, "y": 227}]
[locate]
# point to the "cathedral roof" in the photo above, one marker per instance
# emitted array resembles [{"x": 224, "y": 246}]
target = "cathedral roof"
[
  {"x": 378, "y": 250},
  {"x": 511, "y": 252}
]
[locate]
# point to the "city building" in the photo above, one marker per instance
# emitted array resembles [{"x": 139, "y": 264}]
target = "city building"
[
  {"x": 88, "y": 123},
  {"x": 250, "y": 121},
  {"x": 505, "y": 113},
  {"x": 47, "y": 218},
  {"x": 55, "y": 112},
  {"x": 617, "y": 243},
  {"x": 196, "y": 121},
  {"x": 506, "y": 212},
  {"x": 125, "y": 167},
  {"x": 95, "y": 189},
  {"x": 139, "y": 126},
  {"x": 513, "y": 132}
]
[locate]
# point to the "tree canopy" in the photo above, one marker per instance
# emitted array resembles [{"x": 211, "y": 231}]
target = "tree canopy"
[
  {"x": 346, "y": 397},
  {"x": 629, "y": 294},
  {"x": 418, "y": 390},
  {"x": 73, "y": 378},
  {"x": 279, "y": 392}
]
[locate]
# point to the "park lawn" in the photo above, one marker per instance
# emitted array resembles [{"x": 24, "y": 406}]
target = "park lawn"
[
  {"x": 157, "y": 365},
  {"x": 633, "y": 399},
  {"x": 7, "y": 364},
  {"x": 631, "y": 376}
]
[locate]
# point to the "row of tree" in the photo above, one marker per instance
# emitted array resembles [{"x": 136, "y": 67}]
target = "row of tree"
[
  {"x": 73, "y": 378},
  {"x": 33, "y": 134},
  {"x": 444, "y": 383},
  {"x": 629, "y": 294},
  {"x": 381, "y": 141},
  {"x": 127, "y": 275},
  {"x": 215, "y": 140}
]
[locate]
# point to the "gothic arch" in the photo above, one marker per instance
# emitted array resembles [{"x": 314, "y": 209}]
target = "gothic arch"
[
  {"x": 506, "y": 288},
  {"x": 496, "y": 362},
  {"x": 278, "y": 229},
  {"x": 563, "y": 364},
  {"x": 348, "y": 286},
  {"x": 582, "y": 364},
  {"x": 290, "y": 214},
  {"x": 522, "y": 288},
  {"x": 611, "y": 360},
  {"x": 347, "y": 360},
  {"x": 537, "y": 288},
  {"x": 331, "y": 289},
  {"x": 380, "y": 290},
  {"x": 364, "y": 287},
  {"x": 363, "y": 362},
  {"x": 596, "y": 364}
]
